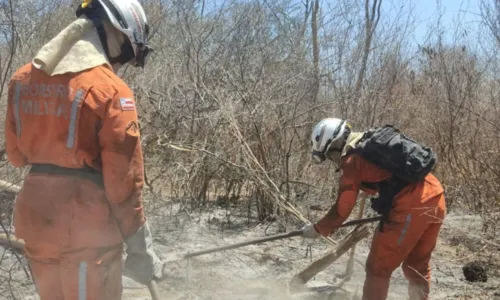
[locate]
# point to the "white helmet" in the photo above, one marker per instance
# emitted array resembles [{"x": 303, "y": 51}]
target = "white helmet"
[
  {"x": 128, "y": 17},
  {"x": 328, "y": 134}
]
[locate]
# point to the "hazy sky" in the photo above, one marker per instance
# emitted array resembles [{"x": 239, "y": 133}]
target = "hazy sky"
[{"x": 426, "y": 13}]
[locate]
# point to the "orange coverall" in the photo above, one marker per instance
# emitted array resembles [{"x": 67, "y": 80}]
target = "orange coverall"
[
  {"x": 74, "y": 226},
  {"x": 408, "y": 238}
]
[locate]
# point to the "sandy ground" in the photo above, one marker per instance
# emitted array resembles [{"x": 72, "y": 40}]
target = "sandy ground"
[{"x": 263, "y": 271}]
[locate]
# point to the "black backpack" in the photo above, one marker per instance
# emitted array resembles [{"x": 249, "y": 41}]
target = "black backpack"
[
  {"x": 389, "y": 149},
  {"x": 408, "y": 162}
]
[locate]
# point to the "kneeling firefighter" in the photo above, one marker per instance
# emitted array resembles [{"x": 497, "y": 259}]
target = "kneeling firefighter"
[
  {"x": 410, "y": 200},
  {"x": 74, "y": 121}
]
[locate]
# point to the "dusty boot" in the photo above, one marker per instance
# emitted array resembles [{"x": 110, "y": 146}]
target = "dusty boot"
[{"x": 418, "y": 292}]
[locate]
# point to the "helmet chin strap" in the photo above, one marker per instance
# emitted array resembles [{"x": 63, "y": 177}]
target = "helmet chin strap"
[{"x": 126, "y": 53}]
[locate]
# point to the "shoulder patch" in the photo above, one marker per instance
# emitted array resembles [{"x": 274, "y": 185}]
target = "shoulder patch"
[
  {"x": 132, "y": 129},
  {"x": 127, "y": 104}
]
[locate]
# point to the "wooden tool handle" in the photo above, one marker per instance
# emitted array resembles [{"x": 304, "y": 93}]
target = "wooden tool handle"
[
  {"x": 347, "y": 243},
  {"x": 11, "y": 242},
  {"x": 153, "y": 290},
  {"x": 251, "y": 242}
]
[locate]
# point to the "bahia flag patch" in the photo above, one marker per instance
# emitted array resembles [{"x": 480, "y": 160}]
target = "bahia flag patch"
[{"x": 127, "y": 104}]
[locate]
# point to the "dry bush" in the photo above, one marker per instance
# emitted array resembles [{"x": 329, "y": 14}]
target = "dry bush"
[
  {"x": 267, "y": 71},
  {"x": 228, "y": 98},
  {"x": 274, "y": 69}
]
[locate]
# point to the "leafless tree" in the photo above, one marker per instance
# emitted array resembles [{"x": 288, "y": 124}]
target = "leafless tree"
[{"x": 228, "y": 98}]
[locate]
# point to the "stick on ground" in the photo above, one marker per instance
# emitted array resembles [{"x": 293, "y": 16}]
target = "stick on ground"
[
  {"x": 350, "y": 263},
  {"x": 11, "y": 243},
  {"x": 9, "y": 187},
  {"x": 356, "y": 235}
]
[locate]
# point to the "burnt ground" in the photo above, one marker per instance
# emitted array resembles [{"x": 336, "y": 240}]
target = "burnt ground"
[{"x": 263, "y": 271}]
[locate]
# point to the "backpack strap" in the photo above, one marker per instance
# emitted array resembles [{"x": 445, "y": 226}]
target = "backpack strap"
[{"x": 388, "y": 190}]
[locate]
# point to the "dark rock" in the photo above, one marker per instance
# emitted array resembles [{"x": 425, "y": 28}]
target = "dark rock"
[{"x": 475, "y": 271}]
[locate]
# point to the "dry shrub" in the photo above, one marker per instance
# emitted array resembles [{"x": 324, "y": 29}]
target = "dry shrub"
[{"x": 268, "y": 72}]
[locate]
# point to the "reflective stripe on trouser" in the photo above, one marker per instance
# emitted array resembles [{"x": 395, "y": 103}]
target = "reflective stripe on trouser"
[
  {"x": 90, "y": 274},
  {"x": 82, "y": 281},
  {"x": 410, "y": 242}
]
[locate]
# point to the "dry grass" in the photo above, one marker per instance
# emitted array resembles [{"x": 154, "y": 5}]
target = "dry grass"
[{"x": 228, "y": 99}]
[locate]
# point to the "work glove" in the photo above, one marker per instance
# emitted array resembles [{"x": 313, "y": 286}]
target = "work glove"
[
  {"x": 309, "y": 232},
  {"x": 142, "y": 264}
]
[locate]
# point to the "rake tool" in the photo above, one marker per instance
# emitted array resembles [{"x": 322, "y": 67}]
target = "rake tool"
[
  {"x": 272, "y": 238},
  {"x": 357, "y": 234}
]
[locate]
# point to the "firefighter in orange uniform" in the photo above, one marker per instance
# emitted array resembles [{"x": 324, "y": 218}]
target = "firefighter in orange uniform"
[
  {"x": 74, "y": 121},
  {"x": 413, "y": 223}
]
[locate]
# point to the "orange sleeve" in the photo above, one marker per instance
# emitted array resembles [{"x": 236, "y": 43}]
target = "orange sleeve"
[
  {"x": 350, "y": 183},
  {"x": 122, "y": 162},
  {"x": 14, "y": 155}
]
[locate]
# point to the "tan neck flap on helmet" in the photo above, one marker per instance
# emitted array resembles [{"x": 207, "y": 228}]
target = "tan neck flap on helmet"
[
  {"x": 351, "y": 142},
  {"x": 76, "y": 48}
]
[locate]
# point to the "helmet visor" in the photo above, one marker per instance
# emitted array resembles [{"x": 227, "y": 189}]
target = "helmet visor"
[{"x": 143, "y": 49}]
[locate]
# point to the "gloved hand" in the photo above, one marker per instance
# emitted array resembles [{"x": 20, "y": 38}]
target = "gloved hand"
[
  {"x": 142, "y": 264},
  {"x": 309, "y": 232}
]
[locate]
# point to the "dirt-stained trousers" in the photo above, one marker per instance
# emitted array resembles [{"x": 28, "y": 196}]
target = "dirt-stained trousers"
[{"x": 409, "y": 243}]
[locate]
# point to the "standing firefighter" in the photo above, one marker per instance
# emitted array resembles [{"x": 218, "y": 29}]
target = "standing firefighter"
[
  {"x": 411, "y": 200},
  {"x": 74, "y": 121}
]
